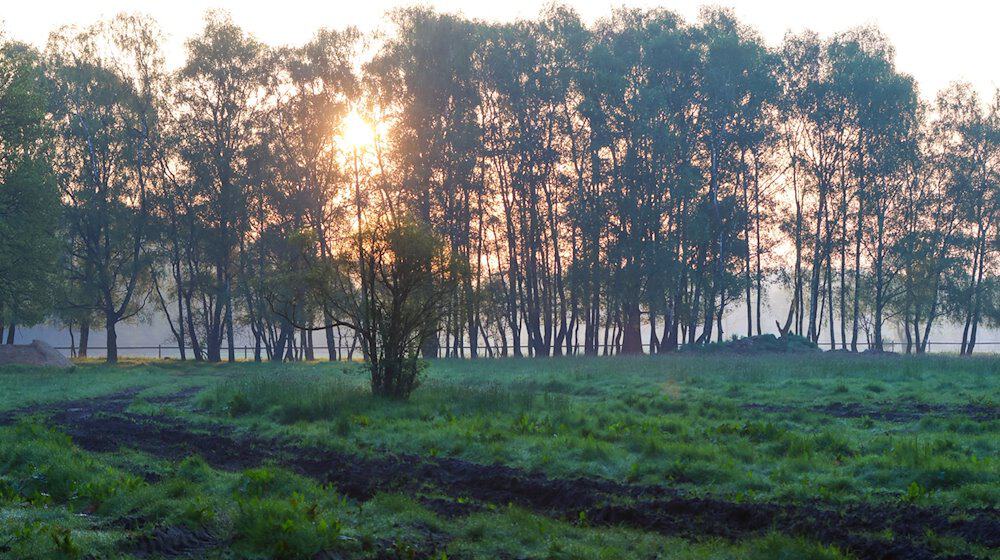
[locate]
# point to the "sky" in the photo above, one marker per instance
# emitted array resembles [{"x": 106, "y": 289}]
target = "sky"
[{"x": 936, "y": 42}]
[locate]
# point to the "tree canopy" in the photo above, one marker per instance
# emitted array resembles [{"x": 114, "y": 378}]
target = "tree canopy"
[{"x": 622, "y": 186}]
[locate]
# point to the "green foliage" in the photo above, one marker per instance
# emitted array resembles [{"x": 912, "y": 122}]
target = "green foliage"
[
  {"x": 779, "y": 547},
  {"x": 914, "y": 492},
  {"x": 41, "y": 467},
  {"x": 287, "y": 528},
  {"x": 44, "y": 541},
  {"x": 29, "y": 198}
]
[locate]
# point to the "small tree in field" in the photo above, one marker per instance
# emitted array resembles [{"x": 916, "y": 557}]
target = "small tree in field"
[
  {"x": 407, "y": 278},
  {"x": 392, "y": 290}
]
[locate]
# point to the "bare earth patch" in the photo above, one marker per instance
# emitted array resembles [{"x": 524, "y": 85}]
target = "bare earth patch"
[{"x": 900, "y": 411}]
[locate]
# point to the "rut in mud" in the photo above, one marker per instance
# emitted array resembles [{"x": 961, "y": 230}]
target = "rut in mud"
[
  {"x": 902, "y": 411},
  {"x": 104, "y": 425}
]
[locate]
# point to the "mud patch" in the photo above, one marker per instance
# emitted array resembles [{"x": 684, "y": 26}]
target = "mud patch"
[
  {"x": 113, "y": 402},
  {"x": 174, "y": 542},
  {"x": 903, "y": 411},
  {"x": 449, "y": 508}
]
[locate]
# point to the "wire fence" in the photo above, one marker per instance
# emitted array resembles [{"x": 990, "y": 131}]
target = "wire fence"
[{"x": 347, "y": 353}]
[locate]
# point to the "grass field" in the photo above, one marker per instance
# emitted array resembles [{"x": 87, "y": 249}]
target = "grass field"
[{"x": 813, "y": 456}]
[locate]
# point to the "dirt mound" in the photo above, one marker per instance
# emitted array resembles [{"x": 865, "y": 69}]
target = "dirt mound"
[
  {"x": 761, "y": 344},
  {"x": 37, "y": 353}
]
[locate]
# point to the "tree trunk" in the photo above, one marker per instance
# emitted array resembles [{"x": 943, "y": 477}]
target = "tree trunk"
[
  {"x": 632, "y": 342},
  {"x": 817, "y": 268},
  {"x": 856, "y": 310},
  {"x": 112, "y": 344},
  {"x": 84, "y": 338},
  {"x": 181, "y": 341},
  {"x": 310, "y": 348},
  {"x": 829, "y": 288},
  {"x": 230, "y": 337},
  {"x": 654, "y": 342}
]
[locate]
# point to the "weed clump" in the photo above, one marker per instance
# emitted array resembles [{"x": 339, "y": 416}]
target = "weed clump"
[
  {"x": 286, "y": 528},
  {"x": 779, "y": 547}
]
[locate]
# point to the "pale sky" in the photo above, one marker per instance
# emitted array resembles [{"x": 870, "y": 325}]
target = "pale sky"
[{"x": 936, "y": 42}]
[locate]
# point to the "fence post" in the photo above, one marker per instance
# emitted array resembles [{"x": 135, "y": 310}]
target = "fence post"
[{"x": 159, "y": 351}]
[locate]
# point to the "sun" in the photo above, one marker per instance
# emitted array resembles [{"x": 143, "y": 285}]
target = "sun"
[{"x": 356, "y": 133}]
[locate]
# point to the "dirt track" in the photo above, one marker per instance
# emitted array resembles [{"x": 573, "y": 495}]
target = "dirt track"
[
  {"x": 103, "y": 425},
  {"x": 902, "y": 411}
]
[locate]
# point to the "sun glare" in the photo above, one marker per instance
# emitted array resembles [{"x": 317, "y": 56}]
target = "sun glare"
[{"x": 356, "y": 132}]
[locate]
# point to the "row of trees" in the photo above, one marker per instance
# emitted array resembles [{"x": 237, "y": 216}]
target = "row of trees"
[{"x": 555, "y": 188}]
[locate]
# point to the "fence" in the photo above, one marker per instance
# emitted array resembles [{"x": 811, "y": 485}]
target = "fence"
[{"x": 321, "y": 352}]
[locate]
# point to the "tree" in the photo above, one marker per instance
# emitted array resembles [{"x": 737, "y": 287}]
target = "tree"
[
  {"x": 887, "y": 115},
  {"x": 29, "y": 198},
  {"x": 425, "y": 80},
  {"x": 312, "y": 104},
  {"x": 393, "y": 298},
  {"x": 222, "y": 98},
  {"x": 929, "y": 225},
  {"x": 970, "y": 134},
  {"x": 638, "y": 96},
  {"x": 523, "y": 95},
  {"x": 735, "y": 86},
  {"x": 108, "y": 80}
]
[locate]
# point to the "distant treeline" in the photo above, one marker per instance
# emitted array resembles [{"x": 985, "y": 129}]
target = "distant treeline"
[{"x": 619, "y": 186}]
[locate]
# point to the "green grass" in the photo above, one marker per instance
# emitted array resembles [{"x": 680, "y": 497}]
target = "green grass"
[
  {"x": 680, "y": 421},
  {"x": 57, "y": 501},
  {"x": 28, "y": 385}
]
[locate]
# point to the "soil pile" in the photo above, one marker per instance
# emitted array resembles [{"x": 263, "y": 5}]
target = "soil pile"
[
  {"x": 37, "y": 353},
  {"x": 761, "y": 344}
]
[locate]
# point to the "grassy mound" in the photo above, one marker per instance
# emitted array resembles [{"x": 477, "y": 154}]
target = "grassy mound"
[{"x": 761, "y": 344}]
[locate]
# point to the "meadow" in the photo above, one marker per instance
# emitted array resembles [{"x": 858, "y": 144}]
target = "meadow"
[{"x": 685, "y": 456}]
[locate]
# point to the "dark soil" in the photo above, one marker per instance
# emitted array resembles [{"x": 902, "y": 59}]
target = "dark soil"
[
  {"x": 172, "y": 542},
  {"x": 902, "y": 411},
  {"x": 103, "y": 425}
]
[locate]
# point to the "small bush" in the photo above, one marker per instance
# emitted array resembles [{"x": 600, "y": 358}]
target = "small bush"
[{"x": 239, "y": 405}]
